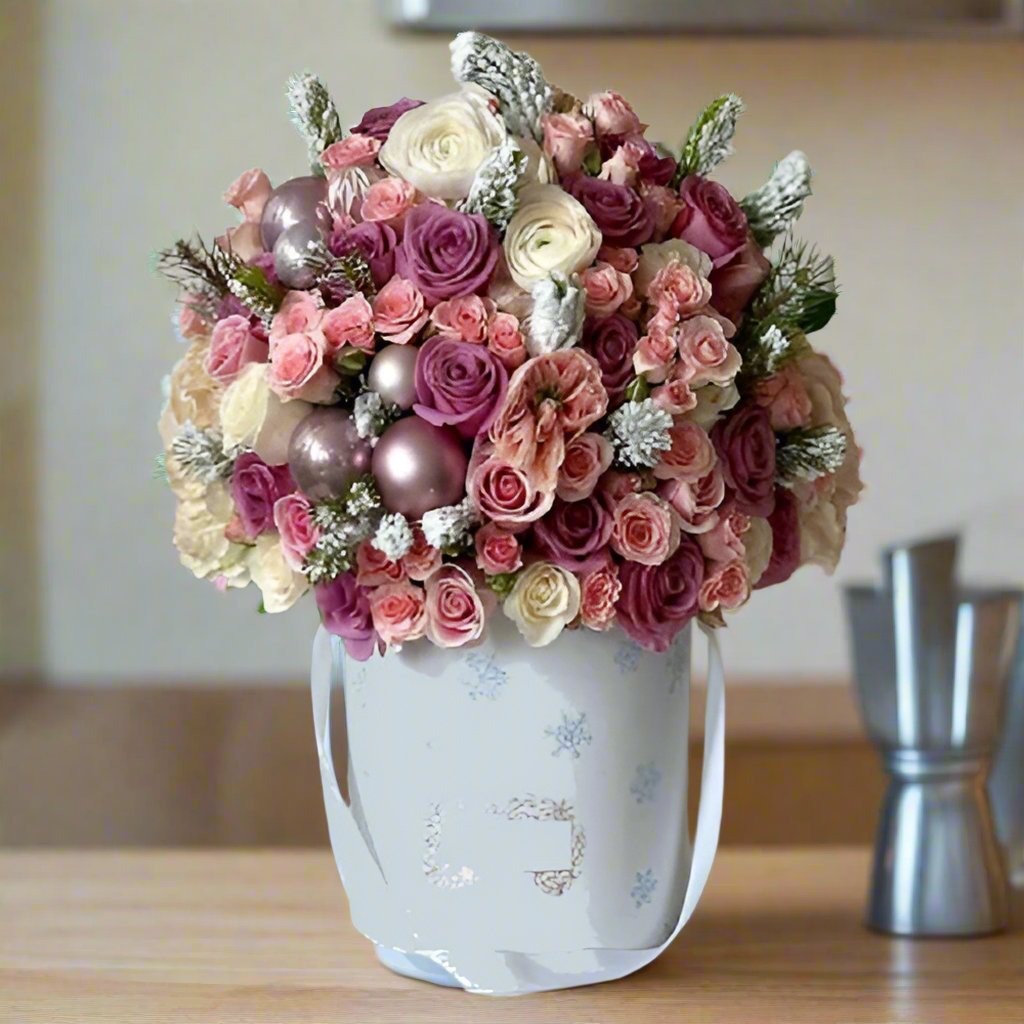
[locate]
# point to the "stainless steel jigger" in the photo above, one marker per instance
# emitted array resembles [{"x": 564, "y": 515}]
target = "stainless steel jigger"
[{"x": 932, "y": 664}]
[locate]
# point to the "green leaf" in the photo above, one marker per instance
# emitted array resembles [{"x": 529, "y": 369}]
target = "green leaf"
[
  {"x": 818, "y": 307},
  {"x": 502, "y": 584},
  {"x": 351, "y": 362},
  {"x": 262, "y": 610},
  {"x": 637, "y": 389}
]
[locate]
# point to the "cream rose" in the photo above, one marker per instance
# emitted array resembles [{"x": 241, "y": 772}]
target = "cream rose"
[
  {"x": 200, "y": 523},
  {"x": 543, "y": 601},
  {"x": 252, "y": 416},
  {"x": 280, "y": 584},
  {"x": 193, "y": 395},
  {"x": 551, "y": 233},
  {"x": 439, "y": 146},
  {"x": 655, "y": 256}
]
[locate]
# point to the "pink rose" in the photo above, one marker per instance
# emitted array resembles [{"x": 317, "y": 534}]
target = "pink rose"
[
  {"x": 624, "y": 260},
  {"x": 352, "y": 151},
  {"x": 233, "y": 345},
  {"x": 504, "y": 493},
  {"x": 497, "y": 551},
  {"x": 727, "y": 587},
  {"x": 696, "y": 504},
  {"x": 465, "y": 317},
  {"x": 421, "y": 559},
  {"x": 691, "y": 456},
  {"x": 586, "y": 458},
  {"x": 350, "y": 324},
  {"x": 676, "y": 396},
  {"x": 612, "y": 115},
  {"x": 299, "y": 313},
  {"x": 399, "y": 311},
  {"x": 399, "y": 612},
  {"x": 243, "y": 240},
  {"x": 297, "y": 370},
  {"x": 388, "y": 199},
  {"x": 566, "y": 138},
  {"x": 710, "y": 219},
  {"x": 703, "y": 347},
  {"x": 374, "y": 568},
  {"x": 455, "y": 613},
  {"x": 249, "y": 193},
  {"x": 606, "y": 289},
  {"x": 735, "y": 283},
  {"x": 677, "y": 290},
  {"x": 645, "y": 529},
  {"x": 724, "y": 541},
  {"x": 784, "y": 395},
  {"x": 654, "y": 353},
  {"x": 599, "y": 590},
  {"x": 299, "y": 533},
  {"x": 505, "y": 340}
]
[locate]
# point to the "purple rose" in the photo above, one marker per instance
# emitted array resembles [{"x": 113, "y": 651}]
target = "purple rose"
[
  {"x": 711, "y": 219},
  {"x": 785, "y": 524},
  {"x": 657, "y": 601},
  {"x": 375, "y": 241},
  {"x": 345, "y": 610},
  {"x": 447, "y": 253},
  {"x": 619, "y": 212},
  {"x": 255, "y": 487},
  {"x": 652, "y": 167},
  {"x": 612, "y": 340},
  {"x": 575, "y": 534},
  {"x": 745, "y": 443},
  {"x": 378, "y": 121},
  {"x": 734, "y": 283},
  {"x": 459, "y": 384}
]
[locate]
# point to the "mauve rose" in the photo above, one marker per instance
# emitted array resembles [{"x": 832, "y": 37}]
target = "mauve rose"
[
  {"x": 619, "y": 212},
  {"x": 373, "y": 240},
  {"x": 710, "y": 219},
  {"x": 657, "y": 601},
  {"x": 745, "y": 443},
  {"x": 734, "y": 283},
  {"x": 459, "y": 384},
  {"x": 652, "y": 167},
  {"x": 255, "y": 487},
  {"x": 447, "y": 253},
  {"x": 345, "y": 610},
  {"x": 378, "y": 121},
  {"x": 612, "y": 340},
  {"x": 785, "y": 524},
  {"x": 575, "y": 534}
]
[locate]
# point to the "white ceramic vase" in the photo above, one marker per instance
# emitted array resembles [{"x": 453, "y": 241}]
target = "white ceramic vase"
[{"x": 514, "y": 819}]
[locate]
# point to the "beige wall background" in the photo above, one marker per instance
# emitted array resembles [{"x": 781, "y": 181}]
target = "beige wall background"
[{"x": 123, "y": 121}]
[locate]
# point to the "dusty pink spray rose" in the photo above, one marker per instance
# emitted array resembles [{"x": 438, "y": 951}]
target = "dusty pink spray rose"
[
  {"x": 345, "y": 610},
  {"x": 355, "y": 150},
  {"x": 349, "y": 325},
  {"x": 255, "y": 487},
  {"x": 387, "y": 200},
  {"x": 726, "y": 587},
  {"x": 746, "y": 450},
  {"x": 374, "y": 568},
  {"x": 399, "y": 612},
  {"x": 599, "y": 590},
  {"x": 606, "y": 289},
  {"x": 645, "y": 528},
  {"x": 497, "y": 550},
  {"x": 586, "y": 458},
  {"x": 505, "y": 340},
  {"x": 399, "y": 312},
  {"x": 691, "y": 456},
  {"x": 724, "y": 542},
  {"x": 696, "y": 503},
  {"x": 785, "y": 396},
  {"x": 455, "y": 613},
  {"x": 459, "y": 384},
  {"x": 566, "y": 138},
  {"x": 465, "y": 317},
  {"x": 297, "y": 369},
  {"x": 612, "y": 114},
  {"x": 294, "y": 523},
  {"x": 249, "y": 193},
  {"x": 421, "y": 559}
]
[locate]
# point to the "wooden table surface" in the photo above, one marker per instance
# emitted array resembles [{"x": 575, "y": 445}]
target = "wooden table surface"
[{"x": 253, "y": 937}]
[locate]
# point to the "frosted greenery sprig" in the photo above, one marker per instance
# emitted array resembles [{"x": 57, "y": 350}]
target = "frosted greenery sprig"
[
  {"x": 253, "y": 289},
  {"x": 201, "y": 454},
  {"x": 350, "y": 273},
  {"x": 709, "y": 140},
  {"x": 344, "y": 523},
  {"x": 494, "y": 188},
  {"x": 313, "y": 112},
  {"x": 772, "y": 209},
  {"x": 807, "y": 454},
  {"x": 559, "y": 311},
  {"x": 516, "y": 79},
  {"x": 800, "y": 292},
  {"x": 639, "y": 432},
  {"x": 196, "y": 267},
  {"x": 769, "y": 349}
]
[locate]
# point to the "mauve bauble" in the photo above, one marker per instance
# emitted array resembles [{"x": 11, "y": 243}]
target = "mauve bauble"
[
  {"x": 392, "y": 374},
  {"x": 419, "y": 467},
  {"x": 297, "y": 201},
  {"x": 326, "y": 455},
  {"x": 292, "y": 250}
]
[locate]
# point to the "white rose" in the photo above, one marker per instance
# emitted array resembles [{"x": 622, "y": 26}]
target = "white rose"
[
  {"x": 439, "y": 146},
  {"x": 252, "y": 416},
  {"x": 199, "y": 535},
  {"x": 712, "y": 401},
  {"x": 657, "y": 255},
  {"x": 280, "y": 584},
  {"x": 757, "y": 548},
  {"x": 551, "y": 233},
  {"x": 543, "y": 601}
]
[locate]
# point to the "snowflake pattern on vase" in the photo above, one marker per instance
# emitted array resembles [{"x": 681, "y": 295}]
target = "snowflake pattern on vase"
[
  {"x": 645, "y": 782},
  {"x": 488, "y": 676},
  {"x": 570, "y": 735},
  {"x": 644, "y": 887},
  {"x": 627, "y": 657},
  {"x": 678, "y": 662}
]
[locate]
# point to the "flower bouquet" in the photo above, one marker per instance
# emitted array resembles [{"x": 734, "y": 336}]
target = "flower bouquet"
[{"x": 502, "y": 367}]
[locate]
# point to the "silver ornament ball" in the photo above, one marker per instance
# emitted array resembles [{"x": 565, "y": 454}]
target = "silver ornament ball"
[
  {"x": 392, "y": 375},
  {"x": 418, "y": 467},
  {"x": 291, "y": 254},
  {"x": 297, "y": 201},
  {"x": 326, "y": 454}
]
